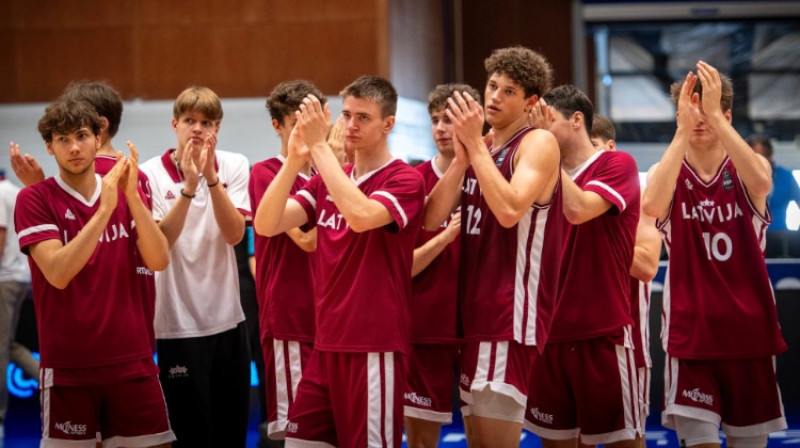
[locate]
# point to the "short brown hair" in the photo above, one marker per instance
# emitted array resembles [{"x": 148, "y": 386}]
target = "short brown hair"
[
  {"x": 376, "y": 89},
  {"x": 524, "y": 66},
  {"x": 287, "y": 97},
  {"x": 725, "y": 101},
  {"x": 65, "y": 116},
  {"x": 602, "y": 128},
  {"x": 569, "y": 99},
  {"x": 198, "y": 99},
  {"x": 104, "y": 98},
  {"x": 437, "y": 99}
]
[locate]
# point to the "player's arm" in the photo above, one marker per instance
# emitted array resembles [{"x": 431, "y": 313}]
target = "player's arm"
[
  {"x": 754, "y": 170},
  {"x": 647, "y": 250},
  {"x": 276, "y": 212},
  {"x": 425, "y": 254},
  {"x": 535, "y": 165},
  {"x": 360, "y": 212},
  {"x": 446, "y": 194},
  {"x": 25, "y": 166},
  {"x": 152, "y": 243},
  {"x": 172, "y": 224},
  {"x": 59, "y": 262},
  {"x": 580, "y": 206},
  {"x": 229, "y": 219},
  {"x": 661, "y": 177},
  {"x": 304, "y": 240}
]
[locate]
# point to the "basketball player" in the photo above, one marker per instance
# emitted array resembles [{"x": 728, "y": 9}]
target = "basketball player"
[
  {"x": 585, "y": 382},
  {"x": 367, "y": 218},
  {"x": 283, "y": 270},
  {"x": 643, "y": 270},
  {"x": 721, "y": 333},
  {"x": 86, "y": 236},
  {"x": 435, "y": 334},
  {"x": 511, "y": 233},
  {"x": 199, "y": 199}
]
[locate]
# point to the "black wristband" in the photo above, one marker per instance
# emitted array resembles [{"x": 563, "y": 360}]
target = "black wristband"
[
  {"x": 214, "y": 184},
  {"x": 188, "y": 196}
]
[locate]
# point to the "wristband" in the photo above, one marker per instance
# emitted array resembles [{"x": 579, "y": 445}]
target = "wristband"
[
  {"x": 188, "y": 196},
  {"x": 214, "y": 184}
]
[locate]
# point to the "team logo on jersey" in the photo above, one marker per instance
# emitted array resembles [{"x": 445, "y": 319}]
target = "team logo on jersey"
[
  {"x": 541, "y": 416},
  {"x": 727, "y": 180},
  {"x": 689, "y": 185},
  {"x": 706, "y": 203},
  {"x": 178, "y": 371},
  {"x": 698, "y": 397},
  {"x": 291, "y": 427},
  {"x": 69, "y": 215},
  {"x": 416, "y": 399},
  {"x": 71, "y": 429},
  {"x": 169, "y": 196}
]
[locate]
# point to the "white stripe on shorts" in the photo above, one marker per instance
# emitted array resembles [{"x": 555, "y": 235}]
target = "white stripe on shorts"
[{"x": 380, "y": 398}]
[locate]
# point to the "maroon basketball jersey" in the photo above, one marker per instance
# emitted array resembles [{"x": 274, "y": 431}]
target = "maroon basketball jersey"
[
  {"x": 102, "y": 165},
  {"x": 434, "y": 291},
  {"x": 98, "y": 319},
  {"x": 363, "y": 280},
  {"x": 508, "y": 276},
  {"x": 283, "y": 270},
  {"x": 718, "y": 301},
  {"x": 594, "y": 291}
]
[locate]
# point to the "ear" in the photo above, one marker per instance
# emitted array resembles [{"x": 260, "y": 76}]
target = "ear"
[
  {"x": 104, "y": 125},
  {"x": 530, "y": 102},
  {"x": 388, "y": 124},
  {"x": 611, "y": 145},
  {"x": 728, "y": 115},
  {"x": 577, "y": 120},
  {"x": 276, "y": 125},
  {"x": 49, "y": 147},
  {"x": 175, "y": 125}
]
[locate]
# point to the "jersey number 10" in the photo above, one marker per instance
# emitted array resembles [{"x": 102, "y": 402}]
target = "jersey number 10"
[{"x": 718, "y": 247}]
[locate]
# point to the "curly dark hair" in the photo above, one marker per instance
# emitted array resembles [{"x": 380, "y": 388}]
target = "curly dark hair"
[
  {"x": 66, "y": 115},
  {"x": 524, "y": 66},
  {"x": 437, "y": 99},
  {"x": 287, "y": 97}
]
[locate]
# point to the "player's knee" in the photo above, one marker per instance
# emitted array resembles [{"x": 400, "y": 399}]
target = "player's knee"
[
  {"x": 759, "y": 441},
  {"x": 693, "y": 432}
]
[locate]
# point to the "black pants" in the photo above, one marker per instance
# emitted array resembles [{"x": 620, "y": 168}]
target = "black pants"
[{"x": 206, "y": 382}]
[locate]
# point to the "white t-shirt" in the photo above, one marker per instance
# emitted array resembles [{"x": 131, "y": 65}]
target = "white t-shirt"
[
  {"x": 14, "y": 265},
  {"x": 198, "y": 293}
]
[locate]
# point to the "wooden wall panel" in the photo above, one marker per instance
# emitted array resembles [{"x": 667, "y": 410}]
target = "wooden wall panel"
[
  {"x": 46, "y": 60},
  {"x": 418, "y": 46},
  {"x": 540, "y": 25},
  {"x": 153, "y": 49}
]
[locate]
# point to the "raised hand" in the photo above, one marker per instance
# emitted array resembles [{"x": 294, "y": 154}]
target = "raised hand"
[
  {"x": 314, "y": 120},
  {"x": 688, "y": 103},
  {"x": 131, "y": 184},
  {"x": 189, "y": 168},
  {"x": 297, "y": 150},
  {"x": 466, "y": 114},
  {"x": 541, "y": 115},
  {"x": 113, "y": 180},
  {"x": 208, "y": 158},
  {"x": 25, "y": 166},
  {"x": 712, "y": 89}
]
